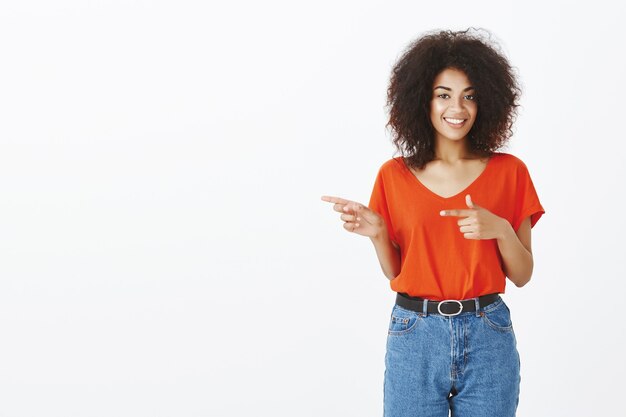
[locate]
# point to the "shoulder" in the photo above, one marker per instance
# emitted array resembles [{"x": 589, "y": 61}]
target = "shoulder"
[
  {"x": 392, "y": 164},
  {"x": 508, "y": 160}
]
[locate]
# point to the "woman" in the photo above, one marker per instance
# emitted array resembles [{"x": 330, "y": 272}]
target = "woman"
[{"x": 450, "y": 219}]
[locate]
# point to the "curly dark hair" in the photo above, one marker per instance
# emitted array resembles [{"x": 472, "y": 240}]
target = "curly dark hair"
[{"x": 410, "y": 92}]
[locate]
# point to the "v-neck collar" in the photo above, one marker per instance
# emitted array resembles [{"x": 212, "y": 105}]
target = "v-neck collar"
[{"x": 463, "y": 191}]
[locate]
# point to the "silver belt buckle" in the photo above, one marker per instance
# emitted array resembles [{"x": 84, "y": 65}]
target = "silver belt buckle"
[{"x": 453, "y": 314}]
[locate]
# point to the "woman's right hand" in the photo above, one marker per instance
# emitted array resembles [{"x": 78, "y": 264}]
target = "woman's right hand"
[{"x": 357, "y": 217}]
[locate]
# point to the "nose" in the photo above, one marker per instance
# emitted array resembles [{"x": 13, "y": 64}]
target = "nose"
[
  {"x": 456, "y": 103},
  {"x": 456, "y": 107}
]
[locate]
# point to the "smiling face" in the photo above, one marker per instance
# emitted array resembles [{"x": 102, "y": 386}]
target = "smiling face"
[{"x": 453, "y": 105}]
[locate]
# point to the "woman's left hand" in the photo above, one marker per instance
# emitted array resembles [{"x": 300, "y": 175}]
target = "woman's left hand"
[{"x": 478, "y": 222}]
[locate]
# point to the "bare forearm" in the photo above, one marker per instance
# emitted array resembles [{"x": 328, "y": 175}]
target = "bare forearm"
[
  {"x": 518, "y": 261},
  {"x": 388, "y": 255}
]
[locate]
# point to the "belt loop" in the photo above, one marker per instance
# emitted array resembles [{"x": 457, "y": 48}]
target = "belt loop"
[
  {"x": 477, "y": 302},
  {"x": 425, "y": 307}
]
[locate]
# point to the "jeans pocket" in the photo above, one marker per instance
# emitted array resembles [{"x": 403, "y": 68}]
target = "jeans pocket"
[
  {"x": 498, "y": 317},
  {"x": 402, "y": 321}
]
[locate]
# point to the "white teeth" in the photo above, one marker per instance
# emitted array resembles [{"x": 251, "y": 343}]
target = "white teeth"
[{"x": 454, "y": 121}]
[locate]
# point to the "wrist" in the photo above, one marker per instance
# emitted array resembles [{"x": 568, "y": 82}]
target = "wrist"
[
  {"x": 382, "y": 234},
  {"x": 506, "y": 231}
]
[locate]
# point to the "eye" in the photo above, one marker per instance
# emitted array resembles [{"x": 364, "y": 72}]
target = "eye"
[{"x": 471, "y": 96}]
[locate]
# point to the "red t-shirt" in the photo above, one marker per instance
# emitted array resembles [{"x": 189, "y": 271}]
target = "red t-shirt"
[{"x": 437, "y": 261}]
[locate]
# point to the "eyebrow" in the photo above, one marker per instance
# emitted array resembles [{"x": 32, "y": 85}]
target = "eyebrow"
[{"x": 449, "y": 89}]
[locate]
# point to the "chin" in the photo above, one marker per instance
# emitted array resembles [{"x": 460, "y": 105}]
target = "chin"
[{"x": 457, "y": 136}]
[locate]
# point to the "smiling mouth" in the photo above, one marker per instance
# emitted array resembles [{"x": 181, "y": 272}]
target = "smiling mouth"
[{"x": 454, "y": 121}]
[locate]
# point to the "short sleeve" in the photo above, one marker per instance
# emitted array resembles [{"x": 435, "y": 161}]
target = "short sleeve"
[
  {"x": 379, "y": 202},
  {"x": 527, "y": 201}
]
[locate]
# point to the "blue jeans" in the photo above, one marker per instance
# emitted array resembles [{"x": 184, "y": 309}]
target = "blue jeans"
[{"x": 467, "y": 364}]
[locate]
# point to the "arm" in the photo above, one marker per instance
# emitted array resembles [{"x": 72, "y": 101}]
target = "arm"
[
  {"x": 388, "y": 254},
  {"x": 516, "y": 252}
]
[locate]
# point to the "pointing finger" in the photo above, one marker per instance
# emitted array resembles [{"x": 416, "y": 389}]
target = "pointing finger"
[
  {"x": 333, "y": 199},
  {"x": 341, "y": 204},
  {"x": 458, "y": 213}
]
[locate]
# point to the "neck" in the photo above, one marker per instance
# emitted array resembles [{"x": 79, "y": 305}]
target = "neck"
[{"x": 452, "y": 151}]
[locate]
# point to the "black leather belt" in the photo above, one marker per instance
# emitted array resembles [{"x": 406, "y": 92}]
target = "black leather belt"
[{"x": 444, "y": 307}]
